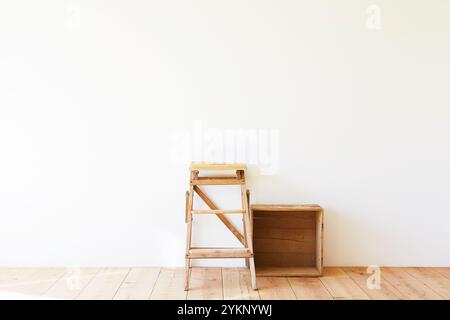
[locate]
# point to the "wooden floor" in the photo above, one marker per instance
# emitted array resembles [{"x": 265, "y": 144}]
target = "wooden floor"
[{"x": 218, "y": 283}]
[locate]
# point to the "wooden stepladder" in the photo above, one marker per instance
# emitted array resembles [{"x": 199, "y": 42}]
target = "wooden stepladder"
[{"x": 195, "y": 182}]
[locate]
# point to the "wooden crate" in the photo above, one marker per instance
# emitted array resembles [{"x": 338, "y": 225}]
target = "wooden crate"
[{"x": 287, "y": 240}]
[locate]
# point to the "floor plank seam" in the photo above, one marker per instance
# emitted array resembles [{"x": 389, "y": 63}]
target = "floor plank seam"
[
  {"x": 154, "y": 284},
  {"x": 443, "y": 274},
  {"x": 54, "y": 283},
  {"x": 357, "y": 284},
  {"x": 425, "y": 284},
  {"x": 89, "y": 282},
  {"x": 384, "y": 279},
  {"x": 292, "y": 289},
  {"x": 121, "y": 283},
  {"x": 404, "y": 297},
  {"x": 326, "y": 288}
]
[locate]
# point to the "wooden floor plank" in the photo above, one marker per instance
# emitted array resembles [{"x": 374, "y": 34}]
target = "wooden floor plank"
[
  {"x": 217, "y": 283},
  {"x": 169, "y": 285},
  {"x": 341, "y": 286},
  {"x": 443, "y": 271},
  {"x": 409, "y": 286},
  {"x": 70, "y": 285},
  {"x": 9, "y": 276},
  {"x": 275, "y": 288},
  {"x": 386, "y": 290},
  {"x": 433, "y": 279},
  {"x": 138, "y": 285},
  {"x": 30, "y": 283},
  {"x": 237, "y": 284},
  {"x": 6, "y": 274},
  {"x": 205, "y": 284},
  {"x": 309, "y": 289},
  {"x": 104, "y": 284}
]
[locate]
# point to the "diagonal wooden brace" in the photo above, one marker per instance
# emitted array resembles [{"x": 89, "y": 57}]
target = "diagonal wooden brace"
[{"x": 221, "y": 217}]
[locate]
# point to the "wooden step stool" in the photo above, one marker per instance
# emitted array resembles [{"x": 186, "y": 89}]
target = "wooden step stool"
[{"x": 246, "y": 239}]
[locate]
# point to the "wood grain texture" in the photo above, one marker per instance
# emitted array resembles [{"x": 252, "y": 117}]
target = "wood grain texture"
[
  {"x": 309, "y": 289},
  {"x": 104, "y": 285},
  {"x": 237, "y": 285},
  {"x": 275, "y": 288},
  {"x": 219, "y": 283},
  {"x": 443, "y": 271},
  {"x": 169, "y": 285},
  {"x": 138, "y": 284},
  {"x": 206, "y": 284},
  {"x": 341, "y": 286},
  {"x": 202, "y": 253},
  {"x": 433, "y": 279},
  {"x": 70, "y": 285},
  {"x": 287, "y": 239},
  {"x": 214, "y": 253},
  {"x": 32, "y": 282},
  {"x": 214, "y": 166},
  {"x": 409, "y": 286},
  {"x": 287, "y": 272},
  {"x": 386, "y": 291}
]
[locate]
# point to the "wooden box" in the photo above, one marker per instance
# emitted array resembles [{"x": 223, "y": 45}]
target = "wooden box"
[{"x": 287, "y": 240}]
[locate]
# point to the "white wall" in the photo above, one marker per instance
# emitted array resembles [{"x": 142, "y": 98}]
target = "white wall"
[{"x": 92, "y": 94}]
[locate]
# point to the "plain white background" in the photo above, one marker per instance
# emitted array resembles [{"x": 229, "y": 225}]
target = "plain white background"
[{"x": 92, "y": 92}]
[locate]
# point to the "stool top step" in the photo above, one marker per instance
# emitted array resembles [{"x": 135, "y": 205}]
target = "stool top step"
[{"x": 214, "y": 166}]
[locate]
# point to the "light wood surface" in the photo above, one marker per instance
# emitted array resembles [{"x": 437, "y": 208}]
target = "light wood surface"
[
  {"x": 288, "y": 240},
  {"x": 341, "y": 286},
  {"x": 217, "y": 211},
  {"x": 170, "y": 285},
  {"x": 217, "y": 181},
  {"x": 309, "y": 289},
  {"x": 32, "y": 282},
  {"x": 138, "y": 284},
  {"x": 410, "y": 286},
  {"x": 70, "y": 285},
  {"x": 213, "y": 166},
  {"x": 432, "y": 279},
  {"x": 206, "y": 284},
  {"x": 237, "y": 285},
  {"x": 275, "y": 288},
  {"x": 219, "y": 283},
  {"x": 386, "y": 291},
  {"x": 104, "y": 285},
  {"x": 213, "y": 253},
  {"x": 443, "y": 271},
  {"x": 287, "y": 272},
  {"x": 202, "y": 253}
]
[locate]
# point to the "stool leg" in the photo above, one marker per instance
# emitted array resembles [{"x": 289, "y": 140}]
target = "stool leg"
[
  {"x": 248, "y": 236},
  {"x": 247, "y": 263},
  {"x": 187, "y": 273},
  {"x": 245, "y": 242},
  {"x": 189, "y": 203},
  {"x": 251, "y": 222},
  {"x": 253, "y": 273}
]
